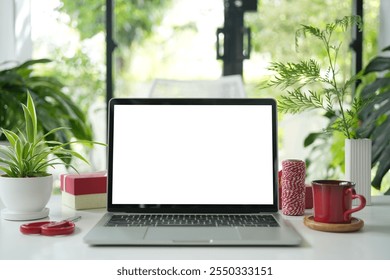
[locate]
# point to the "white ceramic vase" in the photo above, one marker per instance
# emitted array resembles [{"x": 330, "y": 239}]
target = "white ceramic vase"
[
  {"x": 25, "y": 198},
  {"x": 358, "y": 165}
]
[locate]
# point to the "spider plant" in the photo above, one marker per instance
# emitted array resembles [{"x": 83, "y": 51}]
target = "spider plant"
[{"x": 29, "y": 153}]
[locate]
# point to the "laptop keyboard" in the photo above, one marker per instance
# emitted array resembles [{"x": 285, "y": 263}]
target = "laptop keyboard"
[{"x": 152, "y": 220}]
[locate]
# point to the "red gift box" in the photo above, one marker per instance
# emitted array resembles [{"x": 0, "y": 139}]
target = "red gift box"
[
  {"x": 84, "y": 191},
  {"x": 308, "y": 194}
]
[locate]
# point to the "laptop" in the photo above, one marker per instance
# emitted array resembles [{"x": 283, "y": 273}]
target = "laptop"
[{"x": 192, "y": 172}]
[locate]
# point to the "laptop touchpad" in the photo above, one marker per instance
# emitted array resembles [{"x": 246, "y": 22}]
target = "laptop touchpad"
[{"x": 192, "y": 234}]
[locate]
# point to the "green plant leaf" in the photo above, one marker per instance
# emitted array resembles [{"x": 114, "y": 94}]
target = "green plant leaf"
[
  {"x": 383, "y": 167},
  {"x": 7, "y": 171},
  {"x": 29, "y": 125},
  {"x": 348, "y": 21},
  {"x": 378, "y": 64},
  {"x": 372, "y": 111},
  {"x": 5, "y": 161},
  {"x": 289, "y": 74},
  {"x": 380, "y": 139},
  {"x": 375, "y": 124},
  {"x": 8, "y": 153},
  {"x": 19, "y": 157},
  {"x": 311, "y": 138},
  {"x": 11, "y": 137},
  {"x": 29, "y": 63},
  {"x": 371, "y": 89},
  {"x": 33, "y": 115},
  {"x": 54, "y": 130},
  {"x": 10, "y": 78},
  {"x": 297, "y": 101}
]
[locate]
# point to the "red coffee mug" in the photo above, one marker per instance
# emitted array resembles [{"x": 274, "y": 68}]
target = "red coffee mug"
[{"x": 333, "y": 201}]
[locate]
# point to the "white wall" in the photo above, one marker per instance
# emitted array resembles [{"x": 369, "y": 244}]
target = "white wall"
[
  {"x": 7, "y": 28},
  {"x": 384, "y": 28},
  {"x": 15, "y": 31}
]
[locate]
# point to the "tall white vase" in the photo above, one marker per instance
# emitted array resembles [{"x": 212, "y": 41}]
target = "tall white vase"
[{"x": 358, "y": 166}]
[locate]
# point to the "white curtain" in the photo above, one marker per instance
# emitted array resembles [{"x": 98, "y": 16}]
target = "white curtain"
[
  {"x": 15, "y": 31},
  {"x": 384, "y": 29}
]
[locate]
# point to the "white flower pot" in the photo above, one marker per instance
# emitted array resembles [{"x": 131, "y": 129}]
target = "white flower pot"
[
  {"x": 358, "y": 165},
  {"x": 25, "y": 198}
]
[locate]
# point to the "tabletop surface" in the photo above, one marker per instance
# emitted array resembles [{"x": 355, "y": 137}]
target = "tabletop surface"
[{"x": 371, "y": 242}]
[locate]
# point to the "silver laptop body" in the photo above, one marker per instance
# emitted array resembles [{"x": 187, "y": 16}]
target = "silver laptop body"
[{"x": 192, "y": 157}]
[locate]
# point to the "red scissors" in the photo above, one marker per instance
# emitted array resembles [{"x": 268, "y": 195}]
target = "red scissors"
[{"x": 50, "y": 228}]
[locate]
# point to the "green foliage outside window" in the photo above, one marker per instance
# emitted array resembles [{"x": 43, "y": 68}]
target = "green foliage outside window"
[
  {"x": 135, "y": 20},
  {"x": 137, "y": 23}
]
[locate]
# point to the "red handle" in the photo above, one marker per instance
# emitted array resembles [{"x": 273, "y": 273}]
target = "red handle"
[
  {"x": 33, "y": 228},
  {"x": 360, "y": 207},
  {"x": 58, "y": 228},
  {"x": 48, "y": 228}
]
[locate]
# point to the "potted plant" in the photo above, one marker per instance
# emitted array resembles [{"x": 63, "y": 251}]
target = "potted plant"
[
  {"x": 55, "y": 107},
  {"x": 25, "y": 188},
  {"x": 310, "y": 85},
  {"x": 375, "y": 115}
]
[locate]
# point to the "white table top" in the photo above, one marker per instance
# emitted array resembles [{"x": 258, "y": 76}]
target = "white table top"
[{"x": 372, "y": 242}]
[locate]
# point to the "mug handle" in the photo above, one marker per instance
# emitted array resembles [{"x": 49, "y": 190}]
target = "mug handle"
[{"x": 360, "y": 207}]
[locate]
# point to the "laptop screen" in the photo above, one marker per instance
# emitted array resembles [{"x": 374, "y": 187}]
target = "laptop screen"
[{"x": 192, "y": 153}]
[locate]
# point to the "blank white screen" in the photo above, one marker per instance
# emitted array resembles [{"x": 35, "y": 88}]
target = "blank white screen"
[{"x": 192, "y": 154}]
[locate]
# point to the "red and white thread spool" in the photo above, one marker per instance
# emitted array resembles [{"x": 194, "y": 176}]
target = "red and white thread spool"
[{"x": 293, "y": 187}]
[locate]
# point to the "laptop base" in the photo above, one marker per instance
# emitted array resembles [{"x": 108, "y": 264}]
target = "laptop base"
[{"x": 284, "y": 235}]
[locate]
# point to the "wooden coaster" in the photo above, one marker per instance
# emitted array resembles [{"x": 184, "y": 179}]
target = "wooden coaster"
[{"x": 355, "y": 225}]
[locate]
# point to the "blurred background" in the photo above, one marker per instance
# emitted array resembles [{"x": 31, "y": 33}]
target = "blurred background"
[{"x": 177, "y": 39}]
